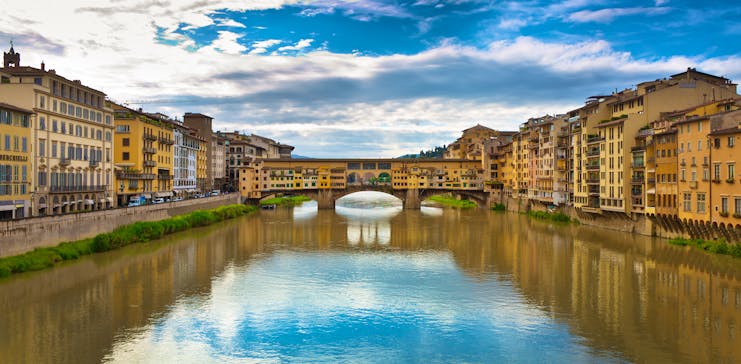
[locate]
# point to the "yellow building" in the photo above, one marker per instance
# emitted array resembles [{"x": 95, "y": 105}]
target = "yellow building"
[
  {"x": 203, "y": 163},
  {"x": 72, "y": 138},
  {"x": 725, "y": 154},
  {"x": 471, "y": 144},
  {"x": 16, "y": 155},
  {"x": 665, "y": 149},
  {"x": 144, "y": 156},
  {"x": 586, "y": 152}
]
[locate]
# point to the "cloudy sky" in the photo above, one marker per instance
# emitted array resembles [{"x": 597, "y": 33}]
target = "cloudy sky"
[{"x": 370, "y": 78}]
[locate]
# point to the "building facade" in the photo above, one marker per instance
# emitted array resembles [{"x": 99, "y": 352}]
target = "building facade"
[
  {"x": 185, "y": 157},
  {"x": 143, "y": 156},
  {"x": 16, "y": 154},
  {"x": 72, "y": 138}
]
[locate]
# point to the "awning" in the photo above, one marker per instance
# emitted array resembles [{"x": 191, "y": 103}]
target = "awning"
[
  {"x": 651, "y": 191},
  {"x": 7, "y": 207},
  {"x": 102, "y": 200},
  {"x": 147, "y": 196},
  {"x": 109, "y": 199},
  {"x": 42, "y": 206},
  {"x": 89, "y": 202},
  {"x": 65, "y": 203},
  {"x": 163, "y": 194}
]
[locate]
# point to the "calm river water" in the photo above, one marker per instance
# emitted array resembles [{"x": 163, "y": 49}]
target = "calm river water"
[{"x": 380, "y": 285}]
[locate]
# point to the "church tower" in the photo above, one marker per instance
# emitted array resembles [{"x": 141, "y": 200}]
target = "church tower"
[{"x": 11, "y": 58}]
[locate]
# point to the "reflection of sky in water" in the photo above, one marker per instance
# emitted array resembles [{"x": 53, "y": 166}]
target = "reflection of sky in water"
[
  {"x": 384, "y": 307},
  {"x": 306, "y": 210}
]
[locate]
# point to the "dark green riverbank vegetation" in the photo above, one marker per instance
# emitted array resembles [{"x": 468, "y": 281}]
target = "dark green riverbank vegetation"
[
  {"x": 499, "y": 207},
  {"x": 711, "y": 246},
  {"x": 550, "y": 216},
  {"x": 285, "y": 201},
  {"x": 451, "y": 201},
  {"x": 139, "y": 232}
]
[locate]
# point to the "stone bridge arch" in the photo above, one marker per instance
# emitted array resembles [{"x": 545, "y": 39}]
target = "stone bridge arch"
[{"x": 479, "y": 197}]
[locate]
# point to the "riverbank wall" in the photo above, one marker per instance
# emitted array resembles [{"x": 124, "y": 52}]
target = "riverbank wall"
[
  {"x": 652, "y": 225},
  {"x": 20, "y": 236}
]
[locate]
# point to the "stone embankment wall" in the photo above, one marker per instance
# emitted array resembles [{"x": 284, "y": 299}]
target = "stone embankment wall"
[
  {"x": 20, "y": 236},
  {"x": 661, "y": 226}
]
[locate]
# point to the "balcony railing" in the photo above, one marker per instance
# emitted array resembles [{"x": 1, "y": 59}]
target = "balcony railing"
[
  {"x": 593, "y": 152},
  {"x": 149, "y": 150},
  {"x": 64, "y": 161},
  {"x": 638, "y": 164},
  {"x": 149, "y": 163},
  {"x": 127, "y": 175},
  {"x": 594, "y": 139},
  {"x": 150, "y": 137},
  {"x": 94, "y": 164},
  {"x": 164, "y": 176},
  {"x": 166, "y": 141},
  {"x": 592, "y": 181},
  {"x": 594, "y": 166},
  {"x": 67, "y": 189}
]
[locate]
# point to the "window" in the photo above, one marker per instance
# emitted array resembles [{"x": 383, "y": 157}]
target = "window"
[
  {"x": 42, "y": 123},
  {"x": 731, "y": 171},
  {"x": 54, "y": 149},
  {"x": 122, "y": 129},
  {"x": 737, "y": 207},
  {"x": 42, "y": 148},
  {"x": 716, "y": 171},
  {"x": 125, "y": 156},
  {"x": 687, "y": 202},
  {"x": 724, "y": 205},
  {"x": 125, "y": 142},
  {"x": 700, "y": 203},
  {"x": 731, "y": 141},
  {"x": 699, "y": 144}
]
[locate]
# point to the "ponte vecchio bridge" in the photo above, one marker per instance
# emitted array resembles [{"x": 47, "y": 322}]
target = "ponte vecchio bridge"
[{"x": 326, "y": 180}]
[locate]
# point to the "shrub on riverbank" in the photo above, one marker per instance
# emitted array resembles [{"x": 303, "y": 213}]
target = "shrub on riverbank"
[
  {"x": 712, "y": 246},
  {"x": 288, "y": 200},
  {"x": 499, "y": 207},
  {"x": 543, "y": 215},
  {"x": 453, "y": 202},
  {"x": 138, "y": 232}
]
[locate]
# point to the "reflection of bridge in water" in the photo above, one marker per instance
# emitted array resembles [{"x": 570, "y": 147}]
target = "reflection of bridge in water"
[{"x": 326, "y": 180}]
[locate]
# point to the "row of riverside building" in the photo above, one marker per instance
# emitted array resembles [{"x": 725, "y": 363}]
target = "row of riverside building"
[
  {"x": 66, "y": 148},
  {"x": 665, "y": 148}
]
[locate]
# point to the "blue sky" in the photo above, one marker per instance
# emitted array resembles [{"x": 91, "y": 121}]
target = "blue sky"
[{"x": 371, "y": 78}]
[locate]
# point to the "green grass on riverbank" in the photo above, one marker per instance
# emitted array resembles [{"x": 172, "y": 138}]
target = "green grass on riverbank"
[
  {"x": 138, "y": 232},
  {"x": 499, "y": 207},
  {"x": 453, "y": 202},
  {"x": 542, "y": 215},
  {"x": 289, "y": 200},
  {"x": 713, "y": 246}
]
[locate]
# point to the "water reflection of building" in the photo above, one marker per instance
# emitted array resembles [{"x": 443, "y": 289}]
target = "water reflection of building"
[{"x": 632, "y": 295}]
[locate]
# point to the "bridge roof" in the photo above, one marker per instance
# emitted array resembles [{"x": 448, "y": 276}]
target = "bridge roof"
[{"x": 389, "y": 160}]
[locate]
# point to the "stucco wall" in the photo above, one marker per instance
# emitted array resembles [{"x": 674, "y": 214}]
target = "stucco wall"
[{"x": 20, "y": 236}]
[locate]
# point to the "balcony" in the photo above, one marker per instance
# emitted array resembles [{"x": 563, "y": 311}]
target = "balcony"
[
  {"x": 164, "y": 176},
  {"x": 149, "y": 163},
  {"x": 593, "y": 167},
  {"x": 594, "y": 139},
  {"x": 64, "y": 162},
  {"x": 593, "y": 191},
  {"x": 592, "y": 181},
  {"x": 165, "y": 141},
  {"x": 68, "y": 189},
  {"x": 94, "y": 164},
  {"x": 132, "y": 175},
  {"x": 593, "y": 152},
  {"x": 149, "y": 150},
  {"x": 151, "y": 137},
  {"x": 638, "y": 164},
  {"x": 638, "y": 179},
  {"x": 636, "y": 193}
]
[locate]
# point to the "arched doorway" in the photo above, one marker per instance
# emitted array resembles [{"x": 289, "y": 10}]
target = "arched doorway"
[{"x": 384, "y": 178}]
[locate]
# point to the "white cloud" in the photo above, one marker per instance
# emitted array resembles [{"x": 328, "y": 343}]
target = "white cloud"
[
  {"x": 230, "y": 23},
  {"x": 415, "y": 101},
  {"x": 512, "y": 24},
  {"x": 608, "y": 15},
  {"x": 262, "y": 46},
  {"x": 226, "y": 43},
  {"x": 301, "y": 44}
]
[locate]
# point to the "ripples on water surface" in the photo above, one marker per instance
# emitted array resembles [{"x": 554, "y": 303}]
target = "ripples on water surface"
[{"x": 379, "y": 284}]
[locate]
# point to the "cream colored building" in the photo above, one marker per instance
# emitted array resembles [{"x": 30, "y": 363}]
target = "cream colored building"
[{"x": 72, "y": 138}]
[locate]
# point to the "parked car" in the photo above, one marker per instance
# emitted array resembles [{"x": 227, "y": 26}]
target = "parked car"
[
  {"x": 176, "y": 199},
  {"x": 134, "y": 203},
  {"x": 158, "y": 200},
  {"x": 215, "y": 192}
]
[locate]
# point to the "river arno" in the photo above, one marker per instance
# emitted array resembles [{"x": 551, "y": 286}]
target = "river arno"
[{"x": 380, "y": 286}]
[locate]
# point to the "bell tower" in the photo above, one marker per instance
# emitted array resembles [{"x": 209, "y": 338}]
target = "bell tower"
[{"x": 11, "y": 58}]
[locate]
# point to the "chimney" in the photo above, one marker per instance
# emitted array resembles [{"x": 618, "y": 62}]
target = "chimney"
[{"x": 43, "y": 66}]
